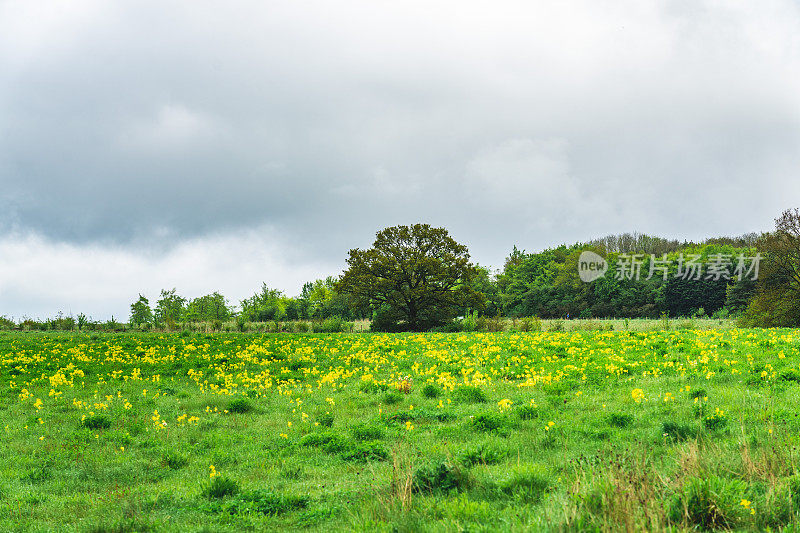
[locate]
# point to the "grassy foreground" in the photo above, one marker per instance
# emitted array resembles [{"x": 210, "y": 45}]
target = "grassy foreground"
[{"x": 581, "y": 430}]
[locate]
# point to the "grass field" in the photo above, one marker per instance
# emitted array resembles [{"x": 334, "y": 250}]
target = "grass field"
[{"x": 573, "y": 430}]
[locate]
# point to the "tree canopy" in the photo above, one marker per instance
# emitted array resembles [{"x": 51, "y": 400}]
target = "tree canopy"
[{"x": 417, "y": 276}]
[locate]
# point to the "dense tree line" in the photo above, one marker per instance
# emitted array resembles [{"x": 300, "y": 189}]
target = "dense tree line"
[{"x": 546, "y": 284}]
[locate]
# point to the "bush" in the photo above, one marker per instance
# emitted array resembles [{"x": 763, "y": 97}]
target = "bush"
[
  {"x": 325, "y": 420},
  {"x": 618, "y": 420},
  {"x": 698, "y": 393},
  {"x": 174, "y": 460},
  {"x": 482, "y": 454},
  {"x": 790, "y": 375},
  {"x": 556, "y": 325},
  {"x": 240, "y": 405},
  {"x": 489, "y": 421},
  {"x": 440, "y": 476},
  {"x": 329, "y": 442},
  {"x": 715, "y": 422},
  {"x": 675, "y": 431},
  {"x": 365, "y": 451},
  {"x": 431, "y": 391},
  {"x": 467, "y": 323},
  {"x": 301, "y": 327},
  {"x": 96, "y": 422},
  {"x": 220, "y": 487},
  {"x": 469, "y": 394},
  {"x": 393, "y": 398}
]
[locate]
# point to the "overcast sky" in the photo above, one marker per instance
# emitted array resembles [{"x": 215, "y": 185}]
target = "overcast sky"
[{"x": 215, "y": 145}]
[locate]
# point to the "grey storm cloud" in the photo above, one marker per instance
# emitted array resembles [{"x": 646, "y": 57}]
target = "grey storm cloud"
[{"x": 135, "y": 126}]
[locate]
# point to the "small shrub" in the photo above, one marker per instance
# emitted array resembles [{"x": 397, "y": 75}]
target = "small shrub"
[
  {"x": 699, "y": 409},
  {"x": 440, "y": 476},
  {"x": 96, "y": 422},
  {"x": 240, "y": 405},
  {"x": 365, "y": 451},
  {"x": 470, "y": 323},
  {"x": 618, "y": 420},
  {"x": 698, "y": 393},
  {"x": 393, "y": 398},
  {"x": 676, "y": 432},
  {"x": 431, "y": 391},
  {"x": 482, "y": 454},
  {"x": 556, "y": 325},
  {"x": 39, "y": 474},
  {"x": 220, "y": 487},
  {"x": 330, "y": 442},
  {"x": 174, "y": 460},
  {"x": 301, "y": 327},
  {"x": 488, "y": 421},
  {"x": 469, "y": 394},
  {"x": 716, "y": 421},
  {"x": 791, "y": 376},
  {"x": 325, "y": 420}
]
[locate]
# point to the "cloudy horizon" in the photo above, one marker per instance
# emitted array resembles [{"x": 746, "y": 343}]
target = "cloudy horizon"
[{"x": 150, "y": 145}]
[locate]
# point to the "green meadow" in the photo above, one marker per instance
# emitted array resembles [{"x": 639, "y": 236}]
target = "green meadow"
[{"x": 596, "y": 429}]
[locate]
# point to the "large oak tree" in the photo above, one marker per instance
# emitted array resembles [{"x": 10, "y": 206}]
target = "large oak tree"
[{"x": 417, "y": 275}]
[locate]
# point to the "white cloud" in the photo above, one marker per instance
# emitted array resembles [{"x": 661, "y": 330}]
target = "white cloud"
[
  {"x": 172, "y": 126},
  {"x": 41, "y": 277}
]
